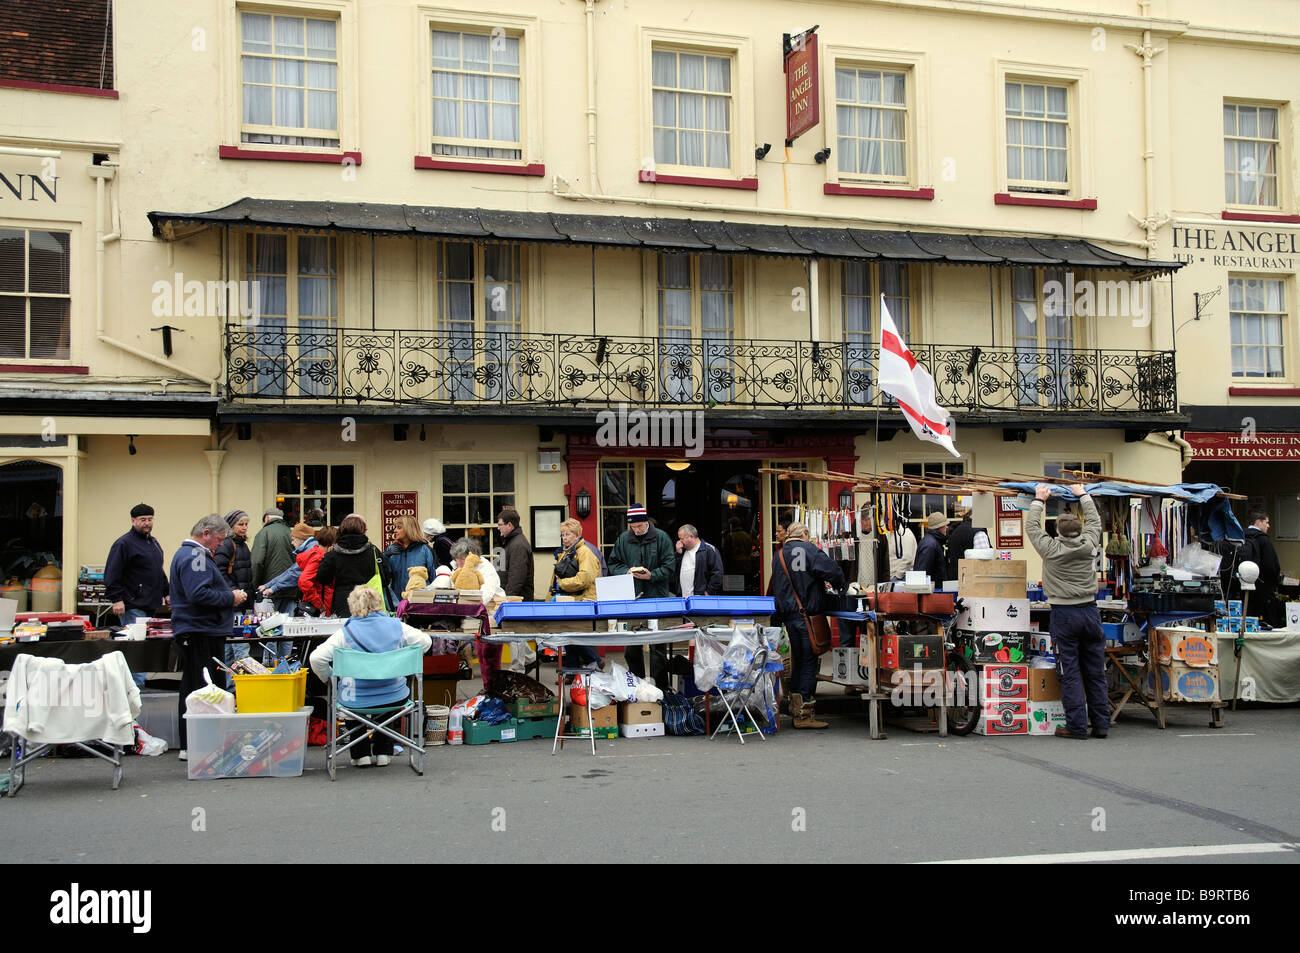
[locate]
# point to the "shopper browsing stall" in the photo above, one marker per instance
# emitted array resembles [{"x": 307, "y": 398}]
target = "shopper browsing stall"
[
  {"x": 1070, "y": 584},
  {"x": 646, "y": 554},
  {"x": 800, "y": 573},
  {"x": 930, "y": 558},
  {"x": 133, "y": 574},
  {"x": 575, "y": 574},
  {"x": 353, "y": 562}
]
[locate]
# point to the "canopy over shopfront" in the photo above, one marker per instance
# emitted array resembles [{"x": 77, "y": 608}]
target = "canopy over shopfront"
[{"x": 1218, "y": 517}]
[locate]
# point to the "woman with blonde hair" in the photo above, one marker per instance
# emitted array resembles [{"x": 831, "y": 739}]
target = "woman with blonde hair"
[
  {"x": 369, "y": 630},
  {"x": 575, "y": 574},
  {"x": 410, "y": 549}
]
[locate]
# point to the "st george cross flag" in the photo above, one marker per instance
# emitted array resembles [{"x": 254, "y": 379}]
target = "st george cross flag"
[{"x": 912, "y": 386}]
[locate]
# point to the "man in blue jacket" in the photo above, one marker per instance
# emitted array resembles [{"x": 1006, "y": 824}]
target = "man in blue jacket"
[
  {"x": 202, "y": 606},
  {"x": 699, "y": 565},
  {"x": 133, "y": 572}
]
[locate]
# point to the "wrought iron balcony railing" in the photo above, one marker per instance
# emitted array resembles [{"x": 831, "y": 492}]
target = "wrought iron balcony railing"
[{"x": 324, "y": 365}]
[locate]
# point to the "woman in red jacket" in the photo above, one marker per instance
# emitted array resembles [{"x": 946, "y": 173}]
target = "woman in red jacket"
[{"x": 309, "y": 562}]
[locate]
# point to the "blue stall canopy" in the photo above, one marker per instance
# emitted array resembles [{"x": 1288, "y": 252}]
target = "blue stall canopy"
[{"x": 1219, "y": 518}]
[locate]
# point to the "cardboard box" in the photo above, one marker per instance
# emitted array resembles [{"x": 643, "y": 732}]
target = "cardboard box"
[
  {"x": 1004, "y": 718},
  {"x": 606, "y": 717},
  {"x": 440, "y": 691},
  {"x": 845, "y": 668},
  {"x": 1044, "y": 685},
  {"x": 1045, "y": 717},
  {"x": 905, "y": 651},
  {"x": 640, "y": 713},
  {"x": 1041, "y": 642},
  {"x": 1187, "y": 645},
  {"x": 1000, "y": 647},
  {"x": 994, "y": 615},
  {"x": 1004, "y": 682},
  {"x": 991, "y": 578},
  {"x": 643, "y": 730},
  {"x": 1181, "y": 683}
]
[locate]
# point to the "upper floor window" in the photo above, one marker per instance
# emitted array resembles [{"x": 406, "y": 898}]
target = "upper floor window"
[
  {"x": 479, "y": 314},
  {"x": 1038, "y": 137},
  {"x": 477, "y": 95},
  {"x": 1250, "y": 160},
  {"x": 1258, "y": 317},
  {"x": 693, "y": 108},
  {"x": 697, "y": 299},
  {"x": 289, "y": 67},
  {"x": 871, "y": 123},
  {"x": 35, "y": 297}
]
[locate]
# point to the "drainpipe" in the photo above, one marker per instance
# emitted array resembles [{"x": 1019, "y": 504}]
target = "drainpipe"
[
  {"x": 1152, "y": 221},
  {"x": 814, "y": 311},
  {"x": 591, "y": 95},
  {"x": 101, "y": 174}
]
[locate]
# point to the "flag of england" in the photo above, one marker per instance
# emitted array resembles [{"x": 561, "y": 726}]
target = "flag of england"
[{"x": 912, "y": 386}]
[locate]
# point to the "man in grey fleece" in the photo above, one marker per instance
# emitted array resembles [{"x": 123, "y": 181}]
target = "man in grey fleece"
[{"x": 1070, "y": 584}]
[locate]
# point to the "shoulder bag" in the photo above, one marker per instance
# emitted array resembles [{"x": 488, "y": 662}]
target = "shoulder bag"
[
  {"x": 376, "y": 582},
  {"x": 819, "y": 630}
]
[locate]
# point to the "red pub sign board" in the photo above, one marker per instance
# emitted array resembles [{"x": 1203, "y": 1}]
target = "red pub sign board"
[
  {"x": 1234, "y": 445},
  {"x": 392, "y": 507},
  {"x": 802, "y": 102}
]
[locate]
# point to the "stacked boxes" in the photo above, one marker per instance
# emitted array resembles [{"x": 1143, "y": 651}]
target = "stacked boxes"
[
  {"x": 604, "y": 721},
  {"x": 1004, "y": 694},
  {"x": 1046, "y": 713},
  {"x": 1189, "y": 665},
  {"x": 641, "y": 719}
]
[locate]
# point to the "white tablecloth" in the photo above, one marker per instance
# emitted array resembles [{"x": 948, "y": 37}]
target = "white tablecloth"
[{"x": 1270, "y": 659}]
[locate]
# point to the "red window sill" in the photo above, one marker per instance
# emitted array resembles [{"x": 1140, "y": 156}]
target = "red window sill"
[
  {"x": 280, "y": 155},
  {"x": 59, "y": 88},
  {"x": 1006, "y": 198},
  {"x": 44, "y": 369},
  {"x": 657, "y": 178},
  {"x": 1259, "y": 217},
  {"x": 1264, "y": 391},
  {"x": 832, "y": 188},
  {"x": 459, "y": 165}
]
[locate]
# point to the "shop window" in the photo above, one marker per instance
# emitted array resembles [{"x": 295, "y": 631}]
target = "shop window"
[
  {"x": 617, "y": 492},
  {"x": 477, "y": 101},
  {"x": 922, "y": 505},
  {"x": 472, "y": 496},
  {"x": 35, "y": 299},
  {"x": 1250, "y": 155},
  {"x": 31, "y": 536},
  {"x": 1054, "y": 468},
  {"x": 330, "y": 488},
  {"x": 1257, "y": 317},
  {"x": 289, "y": 75}
]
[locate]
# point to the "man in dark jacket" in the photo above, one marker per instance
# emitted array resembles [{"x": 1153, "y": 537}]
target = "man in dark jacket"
[
  {"x": 930, "y": 557},
  {"x": 646, "y": 554},
  {"x": 351, "y": 562},
  {"x": 272, "y": 555},
  {"x": 699, "y": 565},
  {"x": 801, "y": 568},
  {"x": 517, "y": 576},
  {"x": 202, "y": 606},
  {"x": 962, "y": 537},
  {"x": 1258, "y": 548},
  {"x": 133, "y": 573}
]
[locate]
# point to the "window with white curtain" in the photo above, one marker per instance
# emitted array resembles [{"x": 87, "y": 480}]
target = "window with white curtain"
[
  {"x": 862, "y": 283},
  {"x": 476, "y": 95},
  {"x": 871, "y": 123},
  {"x": 693, "y": 108},
  {"x": 479, "y": 295},
  {"x": 697, "y": 300},
  {"x": 289, "y": 67},
  {"x": 1044, "y": 328},
  {"x": 296, "y": 281},
  {"x": 1250, "y": 155},
  {"x": 1038, "y": 137},
  {"x": 35, "y": 298},
  {"x": 1258, "y": 318}
]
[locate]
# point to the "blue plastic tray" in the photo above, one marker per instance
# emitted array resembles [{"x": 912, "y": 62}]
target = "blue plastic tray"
[
  {"x": 730, "y": 605},
  {"x": 640, "y": 608},
  {"x": 545, "y": 610}
]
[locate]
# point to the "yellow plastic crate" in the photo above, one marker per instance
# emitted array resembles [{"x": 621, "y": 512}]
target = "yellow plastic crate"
[{"x": 257, "y": 694}]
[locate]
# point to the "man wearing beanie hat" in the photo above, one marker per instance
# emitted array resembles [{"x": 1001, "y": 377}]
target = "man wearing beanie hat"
[
  {"x": 272, "y": 555},
  {"x": 439, "y": 541},
  {"x": 133, "y": 573},
  {"x": 1070, "y": 584},
  {"x": 646, "y": 554},
  {"x": 930, "y": 552}
]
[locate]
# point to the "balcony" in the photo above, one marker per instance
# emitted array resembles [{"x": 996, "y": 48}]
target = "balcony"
[{"x": 449, "y": 372}]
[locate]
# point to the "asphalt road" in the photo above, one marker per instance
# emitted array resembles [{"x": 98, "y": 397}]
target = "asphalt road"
[{"x": 804, "y": 796}]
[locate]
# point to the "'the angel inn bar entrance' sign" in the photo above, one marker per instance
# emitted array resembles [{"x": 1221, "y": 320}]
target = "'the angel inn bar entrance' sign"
[{"x": 1231, "y": 445}]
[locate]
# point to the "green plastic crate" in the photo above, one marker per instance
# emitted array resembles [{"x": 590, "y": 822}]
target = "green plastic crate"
[
  {"x": 608, "y": 731},
  {"x": 481, "y": 733},
  {"x": 521, "y": 708},
  {"x": 526, "y": 729}
]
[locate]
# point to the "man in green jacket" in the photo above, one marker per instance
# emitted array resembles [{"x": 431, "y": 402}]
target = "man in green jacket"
[
  {"x": 1070, "y": 584},
  {"x": 272, "y": 555},
  {"x": 646, "y": 554}
]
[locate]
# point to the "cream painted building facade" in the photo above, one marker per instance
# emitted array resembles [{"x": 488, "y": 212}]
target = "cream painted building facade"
[{"x": 457, "y": 236}]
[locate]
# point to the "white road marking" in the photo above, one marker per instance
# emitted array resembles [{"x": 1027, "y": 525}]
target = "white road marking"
[
  {"x": 1221, "y": 734},
  {"x": 1147, "y": 853},
  {"x": 666, "y": 754}
]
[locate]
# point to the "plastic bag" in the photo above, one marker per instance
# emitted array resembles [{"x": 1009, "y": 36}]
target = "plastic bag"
[
  {"x": 209, "y": 700},
  {"x": 1195, "y": 559},
  {"x": 708, "y": 662},
  {"x": 493, "y": 711},
  {"x": 738, "y": 661},
  {"x": 469, "y": 708},
  {"x": 264, "y": 607},
  {"x": 622, "y": 685},
  {"x": 147, "y": 744}
]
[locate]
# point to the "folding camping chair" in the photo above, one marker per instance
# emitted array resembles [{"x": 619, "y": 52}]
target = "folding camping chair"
[
  {"x": 406, "y": 662},
  {"x": 736, "y": 684}
]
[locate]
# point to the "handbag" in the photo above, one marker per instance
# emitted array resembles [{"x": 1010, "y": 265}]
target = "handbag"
[
  {"x": 819, "y": 629},
  {"x": 376, "y": 582}
]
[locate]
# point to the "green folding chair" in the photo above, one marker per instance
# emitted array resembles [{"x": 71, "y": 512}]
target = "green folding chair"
[{"x": 406, "y": 662}]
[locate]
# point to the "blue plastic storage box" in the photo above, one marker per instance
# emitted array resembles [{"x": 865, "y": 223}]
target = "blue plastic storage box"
[
  {"x": 545, "y": 611},
  {"x": 640, "y": 608},
  {"x": 730, "y": 605}
]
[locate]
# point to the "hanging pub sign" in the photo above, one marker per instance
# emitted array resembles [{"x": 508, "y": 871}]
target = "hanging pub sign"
[
  {"x": 392, "y": 507},
  {"x": 1011, "y": 524},
  {"x": 802, "y": 102}
]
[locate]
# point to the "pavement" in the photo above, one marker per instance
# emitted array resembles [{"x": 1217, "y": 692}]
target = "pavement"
[{"x": 1211, "y": 796}]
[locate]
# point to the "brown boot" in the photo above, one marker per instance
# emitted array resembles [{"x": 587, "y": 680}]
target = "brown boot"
[
  {"x": 807, "y": 717},
  {"x": 793, "y": 704}
]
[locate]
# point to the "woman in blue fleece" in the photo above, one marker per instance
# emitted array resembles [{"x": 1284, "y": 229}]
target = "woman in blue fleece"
[{"x": 369, "y": 630}]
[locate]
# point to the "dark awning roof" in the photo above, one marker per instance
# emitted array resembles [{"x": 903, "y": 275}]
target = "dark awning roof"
[{"x": 662, "y": 233}]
